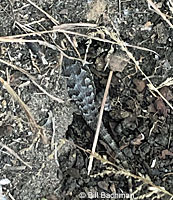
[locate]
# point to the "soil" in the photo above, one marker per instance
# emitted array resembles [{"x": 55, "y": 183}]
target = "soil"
[{"x": 138, "y": 118}]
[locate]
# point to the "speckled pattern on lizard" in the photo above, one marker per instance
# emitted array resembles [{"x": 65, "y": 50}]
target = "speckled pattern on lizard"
[{"x": 82, "y": 91}]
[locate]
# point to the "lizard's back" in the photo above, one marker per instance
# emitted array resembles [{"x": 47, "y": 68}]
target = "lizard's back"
[{"x": 81, "y": 89}]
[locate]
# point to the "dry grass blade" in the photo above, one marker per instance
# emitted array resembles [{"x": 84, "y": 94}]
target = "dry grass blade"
[
  {"x": 49, "y": 95},
  {"x": 99, "y": 121},
  {"x": 48, "y": 16},
  {"x": 11, "y": 38},
  {"x": 140, "y": 48},
  {"x": 33, "y": 80},
  {"x": 17, "y": 68},
  {"x": 14, "y": 154},
  {"x": 168, "y": 82},
  {"x": 75, "y": 25},
  {"x": 35, "y": 128},
  {"x": 145, "y": 180},
  {"x": 20, "y": 40},
  {"x": 159, "y": 12},
  {"x": 44, "y": 43},
  {"x": 65, "y": 25},
  {"x": 2, "y": 39},
  {"x": 23, "y": 105},
  {"x": 130, "y": 55}
]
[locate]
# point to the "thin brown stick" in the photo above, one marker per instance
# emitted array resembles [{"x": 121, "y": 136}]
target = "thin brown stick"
[
  {"x": 17, "y": 68},
  {"x": 45, "y": 92},
  {"x": 34, "y": 126},
  {"x": 160, "y": 13},
  {"x": 99, "y": 121},
  {"x": 56, "y": 23},
  {"x": 31, "y": 119}
]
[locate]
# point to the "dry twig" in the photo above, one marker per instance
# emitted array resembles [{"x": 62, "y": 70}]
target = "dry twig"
[
  {"x": 99, "y": 121},
  {"x": 34, "y": 127}
]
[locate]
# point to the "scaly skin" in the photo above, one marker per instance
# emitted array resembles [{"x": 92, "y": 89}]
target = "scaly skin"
[{"x": 81, "y": 89}]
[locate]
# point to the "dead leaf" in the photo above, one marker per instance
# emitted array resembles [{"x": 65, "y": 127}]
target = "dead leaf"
[
  {"x": 148, "y": 24},
  {"x": 97, "y": 8},
  {"x": 166, "y": 92},
  {"x": 160, "y": 106},
  {"x": 138, "y": 139},
  {"x": 118, "y": 61},
  {"x": 151, "y": 108},
  {"x": 165, "y": 153},
  {"x": 140, "y": 84}
]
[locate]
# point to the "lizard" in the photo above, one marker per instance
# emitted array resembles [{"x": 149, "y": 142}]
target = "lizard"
[{"x": 82, "y": 90}]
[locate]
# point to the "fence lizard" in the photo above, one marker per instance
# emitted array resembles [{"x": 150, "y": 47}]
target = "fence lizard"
[{"x": 82, "y": 91}]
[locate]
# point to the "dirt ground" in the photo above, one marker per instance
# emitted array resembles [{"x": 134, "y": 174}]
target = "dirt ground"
[{"x": 45, "y": 157}]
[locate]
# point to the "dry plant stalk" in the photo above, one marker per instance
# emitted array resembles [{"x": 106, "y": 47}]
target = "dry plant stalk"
[
  {"x": 34, "y": 126},
  {"x": 13, "y": 38},
  {"x": 121, "y": 171},
  {"x": 18, "y": 38},
  {"x": 75, "y": 25},
  {"x": 130, "y": 55},
  {"x": 159, "y": 12},
  {"x": 17, "y": 68},
  {"x": 44, "y": 12},
  {"x": 33, "y": 80},
  {"x": 99, "y": 121},
  {"x": 14, "y": 154}
]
